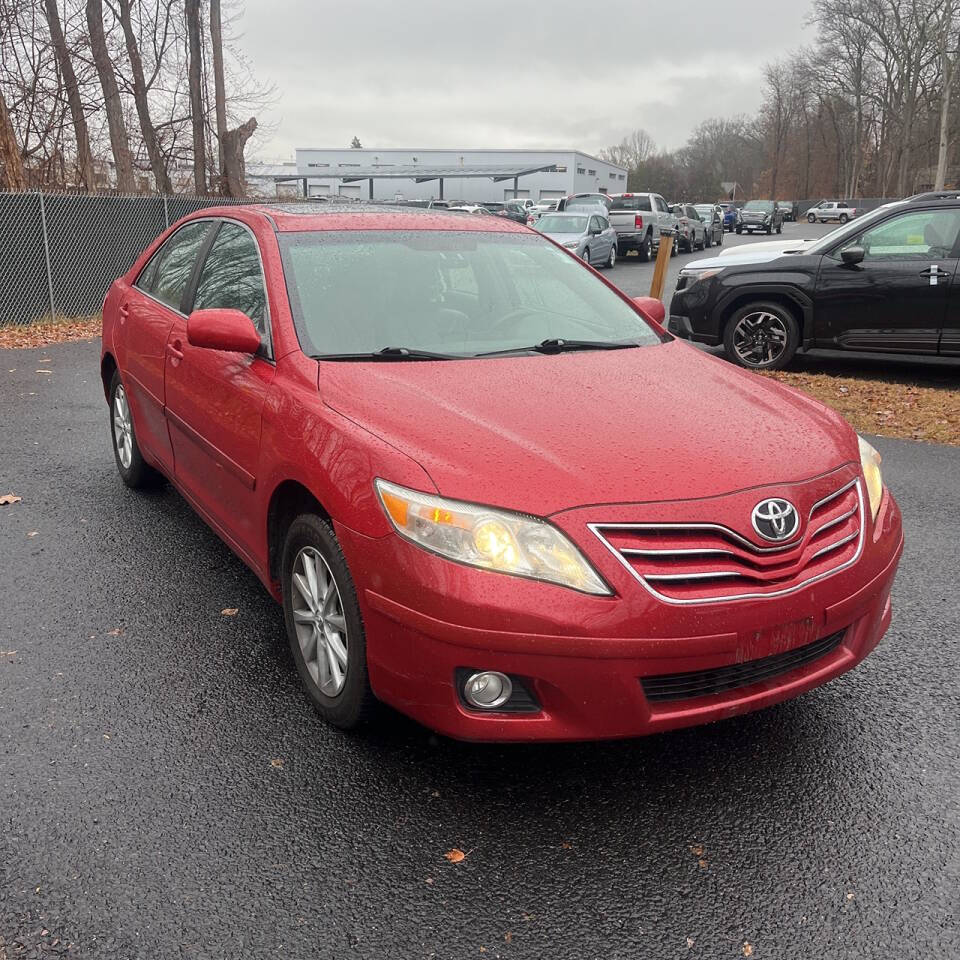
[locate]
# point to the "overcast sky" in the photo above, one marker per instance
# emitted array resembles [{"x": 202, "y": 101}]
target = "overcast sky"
[{"x": 504, "y": 73}]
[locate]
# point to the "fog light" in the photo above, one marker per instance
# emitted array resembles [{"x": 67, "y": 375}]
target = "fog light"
[{"x": 487, "y": 690}]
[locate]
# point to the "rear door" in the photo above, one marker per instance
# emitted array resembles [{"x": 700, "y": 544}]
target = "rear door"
[
  {"x": 896, "y": 299},
  {"x": 215, "y": 398},
  {"x": 147, "y": 313}
]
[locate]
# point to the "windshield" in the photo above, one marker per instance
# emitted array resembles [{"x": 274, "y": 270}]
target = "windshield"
[
  {"x": 855, "y": 227},
  {"x": 449, "y": 292},
  {"x": 588, "y": 200},
  {"x": 759, "y": 206},
  {"x": 706, "y": 213},
  {"x": 560, "y": 224}
]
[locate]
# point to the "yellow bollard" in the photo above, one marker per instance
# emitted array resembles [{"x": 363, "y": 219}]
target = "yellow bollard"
[{"x": 660, "y": 268}]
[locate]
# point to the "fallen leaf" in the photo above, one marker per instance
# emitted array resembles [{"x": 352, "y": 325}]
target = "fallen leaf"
[
  {"x": 45, "y": 360},
  {"x": 115, "y": 632},
  {"x": 567, "y": 845},
  {"x": 429, "y": 880},
  {"x": 455, "y": 855},
  {"x": 747, "y": 949},
  {"x": 229, "y": 612},
  {"x": 703, "y": 863},
  {"x": 9, "y": 498},
  {"x": 690, "y": 942},
  {"x": 43, "y": 371},
  {"x": 697, "y": 849},
  {"x": 850, "y": 895},
  {"x": 33, "y": 533},
  {"x": 278, "y": 763},
  {"x": 508, "y": 937},
  {"x": 7, "y": 653}
]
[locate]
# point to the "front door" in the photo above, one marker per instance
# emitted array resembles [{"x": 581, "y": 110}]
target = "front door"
[
  {"x": 215, "y": 398},
  {"x": 896, "y": 298}
]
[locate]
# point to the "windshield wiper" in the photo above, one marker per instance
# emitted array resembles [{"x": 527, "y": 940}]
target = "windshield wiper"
[
  {"x": 561, "y": 345},
  {"x": 389, "y": 353}
]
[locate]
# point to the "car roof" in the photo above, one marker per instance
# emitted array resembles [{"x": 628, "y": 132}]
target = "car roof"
[{"x": 307, "y": 217}]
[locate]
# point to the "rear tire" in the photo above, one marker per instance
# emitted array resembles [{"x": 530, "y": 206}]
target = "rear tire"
[
  {"x": 843, "y": 218},
  {"x": 134, "y": 471},
  {"x": 324, "y": 626},
  {"x": 646, "y": 249},
  {"x": 761, "y": 336},
  {"x": 612, "y": 259},
  {"x": 739, "y": 231}
]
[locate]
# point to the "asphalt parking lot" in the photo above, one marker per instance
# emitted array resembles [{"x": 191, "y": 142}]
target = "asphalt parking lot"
[{"x": 167, "y": 791}]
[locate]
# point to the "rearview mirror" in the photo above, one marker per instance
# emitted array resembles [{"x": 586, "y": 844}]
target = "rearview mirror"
[
  {"x": 852, "y": 255},
  {"x": 652, "y": 308},
  {"x": 222, "y": 329}
]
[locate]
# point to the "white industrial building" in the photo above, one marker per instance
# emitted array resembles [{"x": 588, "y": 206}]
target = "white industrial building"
[{"x": 458, "y": 174}]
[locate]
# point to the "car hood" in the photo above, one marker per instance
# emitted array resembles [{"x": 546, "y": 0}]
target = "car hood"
[
  {"x": 746, "y": 214},
  {"x": 748, "y": 257},
  {"x": 562, "y": 238},
  {"x": 779, "y": 247},
  {"x": 546, "y": 433}
]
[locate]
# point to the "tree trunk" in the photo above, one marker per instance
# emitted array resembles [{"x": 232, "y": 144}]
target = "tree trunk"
[
  {"x": 157, "y": 163},
  {"x": 112, "y": 103},
  {"x": 62, "y": 54},
  {"x": 219, "y": 88},
  {"x": 235, "y": 183},
  {"x": 195, "y": 79},
  {"x": 13, "y": 176}
]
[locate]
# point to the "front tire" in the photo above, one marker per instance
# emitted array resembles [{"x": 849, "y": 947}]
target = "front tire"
[
  {"x": 739, "y": 231},
  {"x": 585, "y": 256},
  {"x": 134, "y": 471},
  {"x": 324, "y": 627},
  {"x": 761, "y": 336},
  {"x": 612, "y": 259},
  {"x": 811, "y": 218}
]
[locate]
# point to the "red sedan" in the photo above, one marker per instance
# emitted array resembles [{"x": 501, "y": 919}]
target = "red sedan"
[{"x": 486, "y": 486}]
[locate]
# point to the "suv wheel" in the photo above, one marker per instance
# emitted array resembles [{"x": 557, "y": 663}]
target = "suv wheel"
[
  {"x": 761, "y": 336},
  {"x": 323, "y": 622},
  {"x": 811, "y": 218}
]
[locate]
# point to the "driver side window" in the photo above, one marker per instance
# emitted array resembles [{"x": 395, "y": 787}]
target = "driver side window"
[{"x": 922, "y": 235}]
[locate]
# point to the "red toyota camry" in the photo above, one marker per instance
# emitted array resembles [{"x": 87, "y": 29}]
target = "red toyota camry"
[{"x": 486, "y": 486}]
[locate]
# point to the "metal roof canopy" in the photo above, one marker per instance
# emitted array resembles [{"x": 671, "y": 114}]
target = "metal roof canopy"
[{"x": 421, "y": 174}]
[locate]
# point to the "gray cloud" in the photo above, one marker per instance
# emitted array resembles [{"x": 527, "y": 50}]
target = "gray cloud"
[{"x": 504, "y": 74}]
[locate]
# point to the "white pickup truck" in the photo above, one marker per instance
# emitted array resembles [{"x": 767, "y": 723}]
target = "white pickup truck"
[
  {"x": 639, "y": 220},
  {"x": 826, "y": 210}
]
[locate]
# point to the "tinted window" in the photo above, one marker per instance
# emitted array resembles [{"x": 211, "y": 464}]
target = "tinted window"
[
  {"x": 168, "y": 279},
  {"x": 231, "y": 276},
  {"x": 631, "y": 203},
  {"x": 923, "y": 235},
  {"x": 449, "y": 292}
]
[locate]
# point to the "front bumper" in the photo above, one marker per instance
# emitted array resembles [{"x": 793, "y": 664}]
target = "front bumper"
[
  {"x": 680, "y": 326},
  {"x": 584, "y": 657}
]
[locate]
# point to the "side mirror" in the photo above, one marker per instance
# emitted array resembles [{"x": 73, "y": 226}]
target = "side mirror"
[
  {"x": 852, "y": 255},
  {"x": 222, "y": 329},
  {"x": 652, "y": 308}
]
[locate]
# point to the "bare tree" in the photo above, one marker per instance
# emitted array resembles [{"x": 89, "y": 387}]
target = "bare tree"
[
  {"x": 195, "y": 79},
  {"x": 12, "y": 173},
  {"x": 234, "y": 143},
  {"x": 948, "y": 38},
  {"x": 72, "y": 88},
  {"x": 219, "y": 87},
  {"x": 112, "y": 104}
]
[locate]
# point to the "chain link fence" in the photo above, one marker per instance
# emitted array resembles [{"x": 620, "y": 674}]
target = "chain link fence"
[{"x": 60, "y": 252}]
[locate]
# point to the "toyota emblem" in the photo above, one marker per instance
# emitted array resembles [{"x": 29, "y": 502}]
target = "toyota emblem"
[{"x": 775, "y": 519}]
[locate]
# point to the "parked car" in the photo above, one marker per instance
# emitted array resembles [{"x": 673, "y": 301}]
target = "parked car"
[
  {"x": 826, "y": 210},
  {"x": 539, "y": 209},
  {"x": 471, "y": 208},
  {"x": 712, "y": 217},
  {"x": 789, "y": 209},
  {"x": 729, "y": 216},
  {"x": 349, "y": 401},
  {"x": 640, "y": 219},
  {"x": 881, "y": 283},
  {"x": 584, "y": 200},
  {"x": 588, "y": 234},
  {"x": 759, "y": 215},
  {"x": 691, "y": 231}
]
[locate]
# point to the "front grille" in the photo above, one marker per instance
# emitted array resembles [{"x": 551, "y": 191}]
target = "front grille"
[
  {"x": 703, "y": 683},
  {"x": 710, "y": 563}
]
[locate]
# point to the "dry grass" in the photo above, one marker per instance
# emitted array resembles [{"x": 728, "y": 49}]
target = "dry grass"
[
  {"x": 921, "y": 403},
  {"x": 50, "y": 331}
]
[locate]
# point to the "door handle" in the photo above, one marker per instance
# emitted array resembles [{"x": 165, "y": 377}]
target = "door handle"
[
  {"x": 935, "y": 271},
  {"x": 174, "y": 351},
  {"x": 124, "y": 312}
]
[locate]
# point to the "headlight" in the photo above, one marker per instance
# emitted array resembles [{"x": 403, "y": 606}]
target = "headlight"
[
  {"x": 492, "y": 539},
  {"x": 694, "y": 276},
  {"x": 870, "y": 461},
  {"x": 572, "y": 244}
]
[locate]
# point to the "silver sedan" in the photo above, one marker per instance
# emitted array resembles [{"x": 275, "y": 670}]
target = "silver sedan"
[{"x": 587, "y": 234}]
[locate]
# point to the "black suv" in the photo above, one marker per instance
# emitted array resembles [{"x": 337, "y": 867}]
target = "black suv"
[
  {"x": 762, "y": 215},
  {"x": 881, "y": 283}
]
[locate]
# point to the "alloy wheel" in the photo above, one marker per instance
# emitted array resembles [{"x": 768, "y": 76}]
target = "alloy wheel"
[
  {"x": 320, "y": 624},
  {"x": 612, "y": 262},
  {"x": 760, "y": 338},
  {"x": 122, "y": 428}
]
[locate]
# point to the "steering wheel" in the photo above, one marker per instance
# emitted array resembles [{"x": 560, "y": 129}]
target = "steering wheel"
[{"x": 509, "y": 318}]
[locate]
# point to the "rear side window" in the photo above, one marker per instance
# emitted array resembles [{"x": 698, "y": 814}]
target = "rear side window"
[
  {"x": 231, "y": 277},
  {"x": 169, "y": 271},
  {"x": 631, "y": 203}
]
